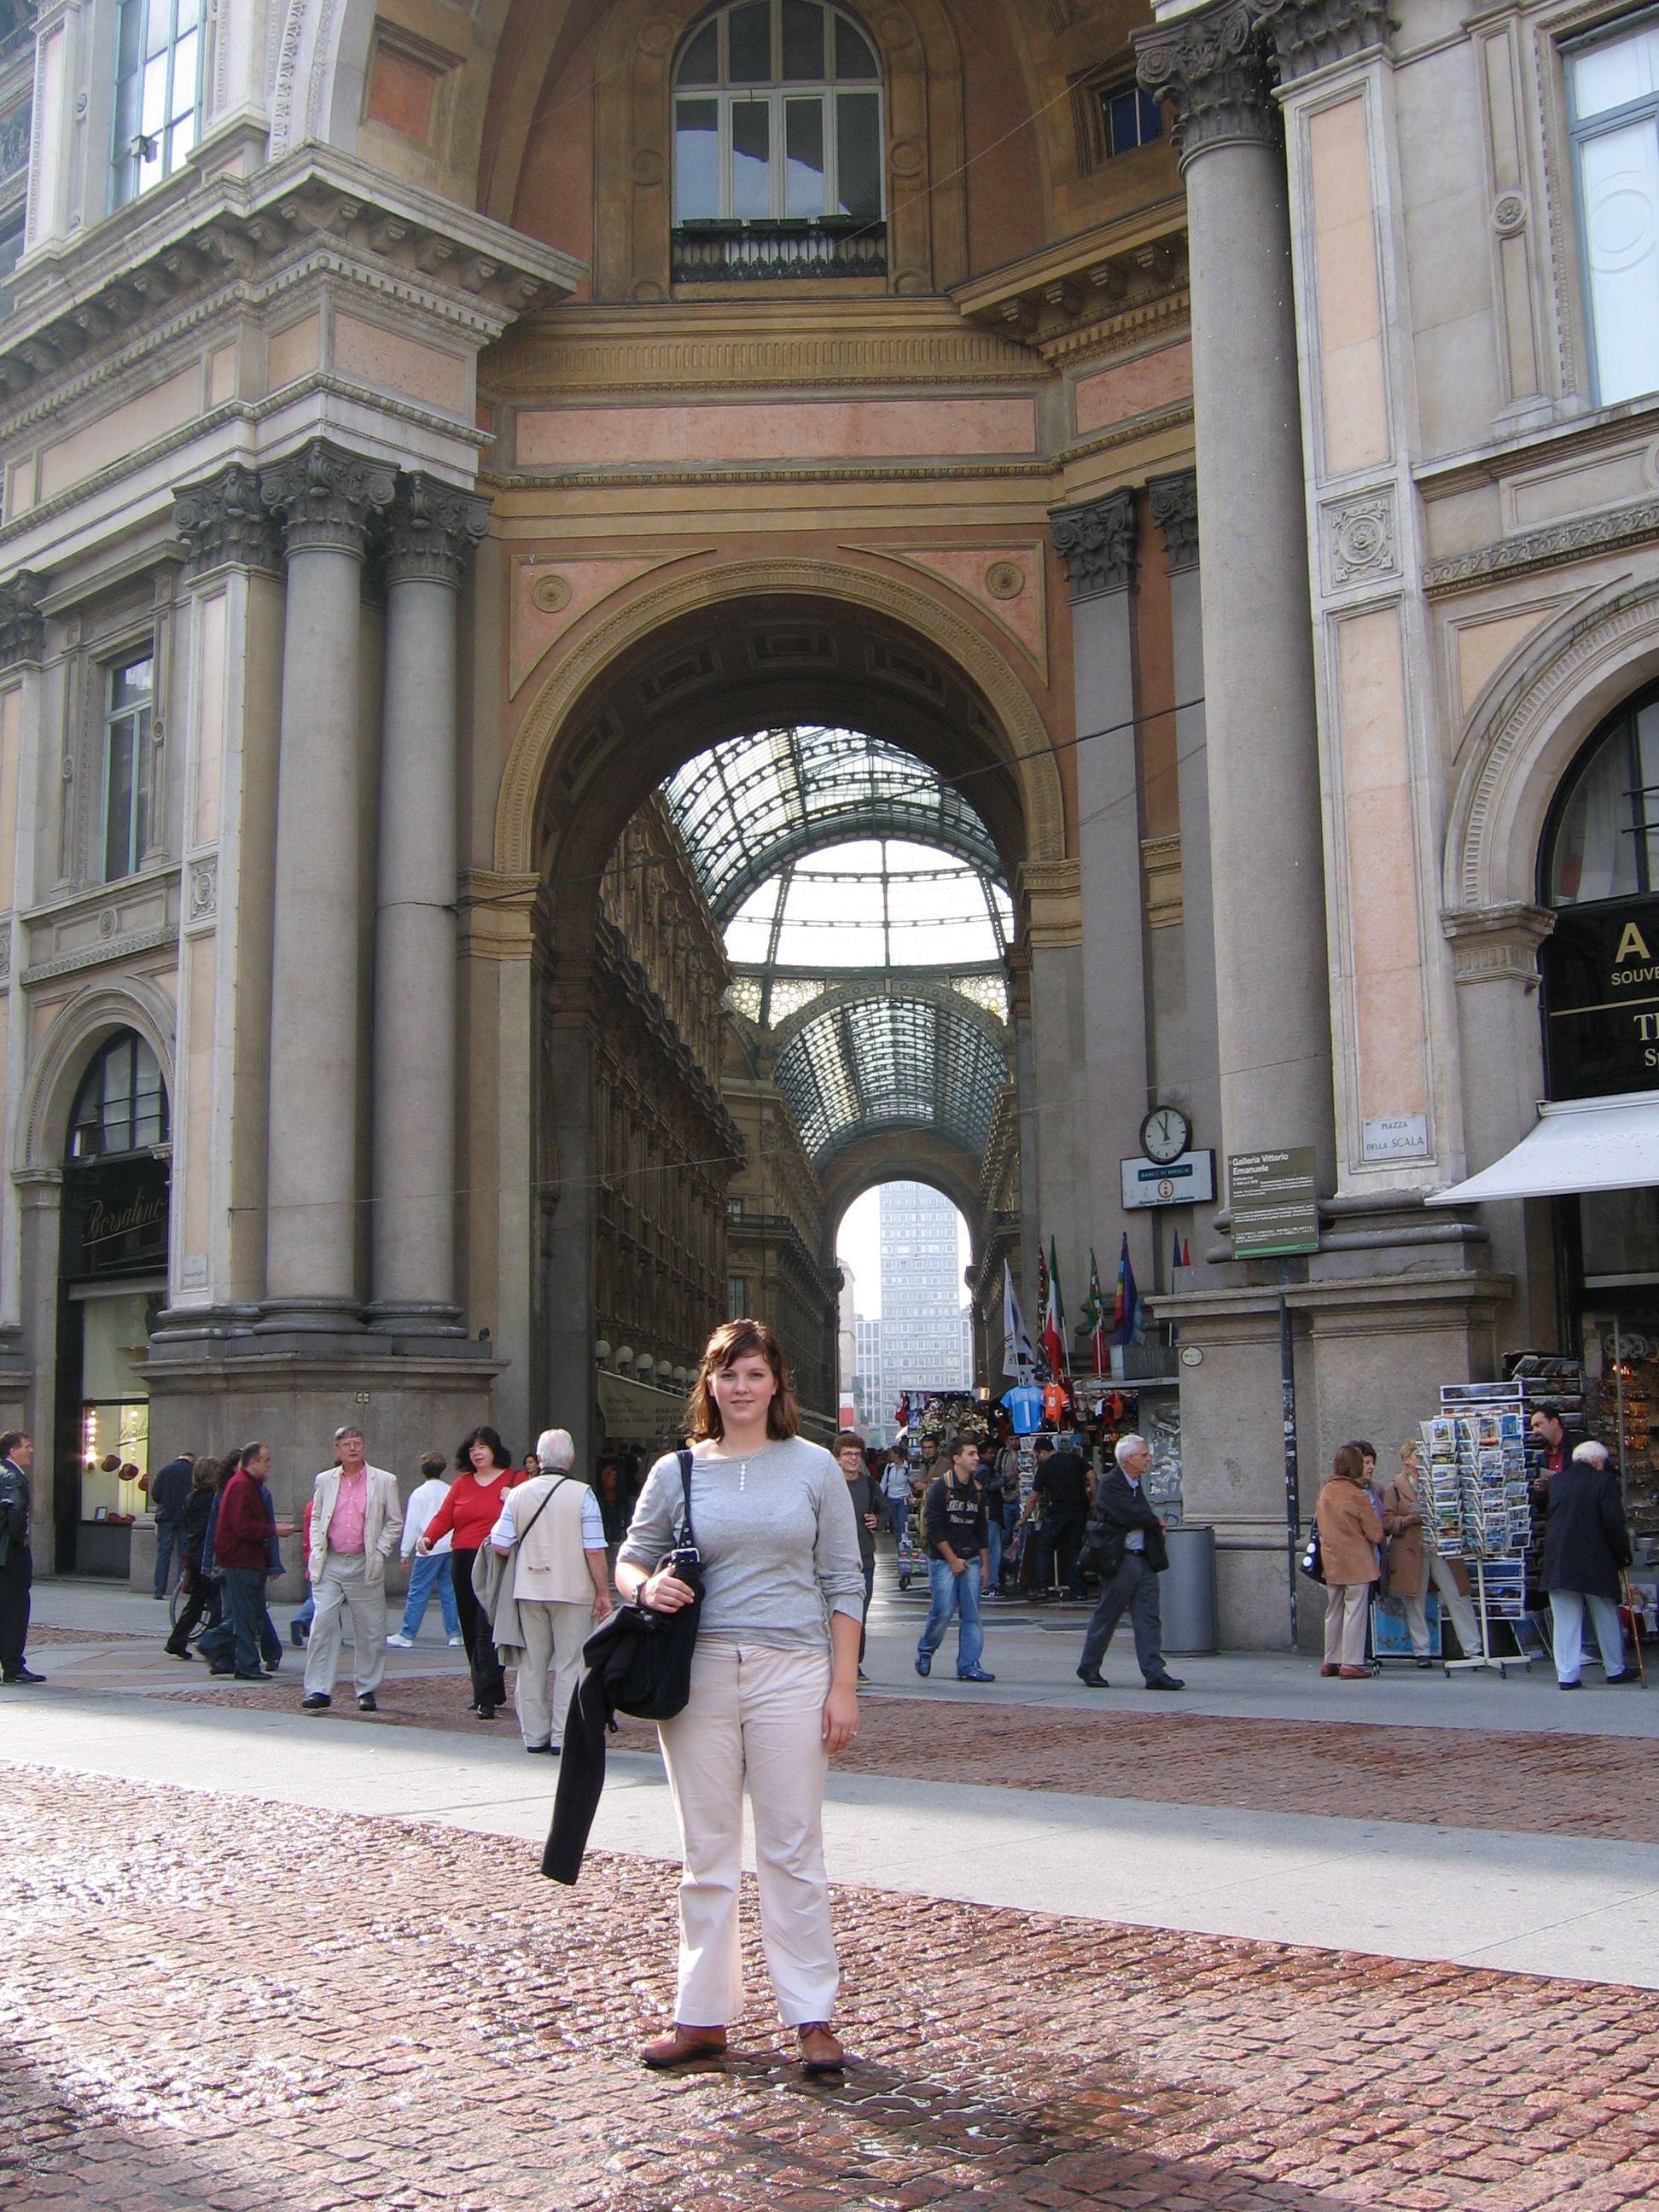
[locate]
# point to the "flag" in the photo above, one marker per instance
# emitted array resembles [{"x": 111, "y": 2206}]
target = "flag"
[
  {"x": 1043, "y": 1369},
  {"x": 1017, "y": 1356},
  {"x": 1186, "y": 1254},
  {"x": 1176, "y": 1259},
  {"x": 1127, "y": 1326},
  {"x": 1053, "y": 1321},
  {"x": 1095, "y": 1314}
]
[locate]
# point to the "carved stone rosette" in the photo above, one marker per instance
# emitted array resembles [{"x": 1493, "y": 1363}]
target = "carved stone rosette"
[
  {"x": 327, "y": 497},
  {"x": 224, "y": 520},
  {"x": 23, "y": 626},
  {"x": 1174, "y": 503},
  {"x": 1097, "y": 544},
  {"x": 1308, "y": 34},
  {"x": 1215, "y": 71},
  {"x": 429, "y": 531}
]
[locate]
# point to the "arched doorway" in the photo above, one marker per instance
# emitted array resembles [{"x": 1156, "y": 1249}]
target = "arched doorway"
[{"x": 113, "y": 1257}]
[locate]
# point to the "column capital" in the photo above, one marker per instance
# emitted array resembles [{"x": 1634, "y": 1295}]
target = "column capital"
[
  {"x": 1214, "y": 68},
  {"x": 1174, "y": 503},
  {"x": 1097, "y": 542},
  {"x": 223, "y": 522},
  {"x": 430, "y": 529},
  {"x": 1498, "y": 944},
  {"x": 327, "y": 497},
  {"x": 1309, "y": 34},
  {"x": 22, "y": 625}
]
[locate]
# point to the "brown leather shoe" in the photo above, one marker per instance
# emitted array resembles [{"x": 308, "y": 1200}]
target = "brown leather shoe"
[
  {"x": 820, "y": 2052},
  {"x": 682, "y": 2044},
  {"x": 1328, "y": 1670},
  {"x": 1355, "y": 1674}
]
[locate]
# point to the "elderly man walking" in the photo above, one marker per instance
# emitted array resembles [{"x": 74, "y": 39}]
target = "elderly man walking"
[
  {"x": 17, "y": 1560},
  {"x": 1127, "y": 1538},
  {"x": 355, "y": 1521},
  {"x": 1586, "y": 1550},
  {"x": 560, "y": 1585}
]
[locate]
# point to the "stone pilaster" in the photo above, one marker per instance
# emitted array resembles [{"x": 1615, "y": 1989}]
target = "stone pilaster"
[
  {"x": 1312, "y": 35},
  {"x": 1097, "y": 542},
  {"x": 224, "y": 522},
  {"x": 23, "y": 626},
  {"x": 1173, "y": 500}
]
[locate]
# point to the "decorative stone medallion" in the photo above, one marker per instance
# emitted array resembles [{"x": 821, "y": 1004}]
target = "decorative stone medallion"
[
  {"x": 1359, "y": 538},
  {"x": 550, "y": 593},
  {"x": 1004, "y": 579}
]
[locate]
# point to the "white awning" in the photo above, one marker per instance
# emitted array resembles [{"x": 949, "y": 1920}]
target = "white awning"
[{"x": 1578, "y": 1145}]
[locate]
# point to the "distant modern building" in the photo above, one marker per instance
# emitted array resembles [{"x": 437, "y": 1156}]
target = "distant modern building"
[{"x": 926, "y": 1328}]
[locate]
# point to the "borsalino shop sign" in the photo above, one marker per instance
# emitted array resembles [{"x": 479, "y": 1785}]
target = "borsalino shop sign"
[
  {"x": 115, "y": 1219},
  {"x": 1600, "y": 970}
]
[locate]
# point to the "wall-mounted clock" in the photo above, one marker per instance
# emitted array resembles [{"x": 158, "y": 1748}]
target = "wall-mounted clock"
[{"x": 1165, "y": 1134}]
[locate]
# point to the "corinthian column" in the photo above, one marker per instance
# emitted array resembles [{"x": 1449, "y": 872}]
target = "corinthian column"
[
  {"x": 327, "y": 499},
  {"x": 1272, "y": 1011},
  {"x": 429, "y": 532}
]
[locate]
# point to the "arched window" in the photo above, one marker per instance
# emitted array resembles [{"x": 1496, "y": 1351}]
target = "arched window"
[
  {"x": 777, "y": 120},
  {"x": 1603, "y": 842},
  {"x": 121, "y": 1106}
]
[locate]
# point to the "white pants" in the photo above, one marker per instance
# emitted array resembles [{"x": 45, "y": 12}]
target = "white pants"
[
  {"x": 1347, "y": 1608},
  {"x": 1567, "y": 1611},
  {"x": 758, "y": 1713},
  {"x": 344, "y": 1582},
  {"x": 553, "y": 1637},
  {"x": 1454, "y": 1606}
]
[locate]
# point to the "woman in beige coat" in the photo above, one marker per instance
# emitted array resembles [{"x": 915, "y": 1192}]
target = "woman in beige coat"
[
  {"x": 1349, "y": 1533},
  {"x": 1410, "y": 1566}
]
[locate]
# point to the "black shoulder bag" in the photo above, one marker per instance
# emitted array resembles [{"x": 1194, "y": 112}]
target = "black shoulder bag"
[{"x": 645, "y": 1657}]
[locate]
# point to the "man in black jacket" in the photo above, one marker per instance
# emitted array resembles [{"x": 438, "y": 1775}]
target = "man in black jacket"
[
  {"x": 1125, "y": 1538},
  {"x": 16, "y": 1561},
  {"x": 169, "y": 1497},
  {"x": 1586, "y": 1550}
]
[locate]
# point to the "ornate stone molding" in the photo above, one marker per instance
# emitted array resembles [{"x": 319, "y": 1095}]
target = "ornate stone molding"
[
  {"x": 1174, "y": 503},
  {"x": 1497, "y": 944},
  {"x": 1310, "y": 34},
  {"x": 23, "y": 626},
  {"x": 429, "y": 531},
  {"x": 1049, "y": 893},
  {"x": 203, "y": 889},
  {"x": 1546, "y": 548},
  {"x": 1359, "y": 538},
  {"x": 1214, "y": 68},
  {"x": 327, "y": 497},
  {"x": 223, "y": 521},
  {"x": 1096, "y": 542}
]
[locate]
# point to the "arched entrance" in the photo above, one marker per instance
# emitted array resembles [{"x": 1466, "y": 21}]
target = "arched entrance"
[{"x": 111, "y": 1272}]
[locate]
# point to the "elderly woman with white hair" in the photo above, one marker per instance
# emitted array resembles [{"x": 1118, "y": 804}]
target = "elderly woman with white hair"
[
  {"x": 1586, "y": 1550},
  {"x": 561, "y": 1586}
]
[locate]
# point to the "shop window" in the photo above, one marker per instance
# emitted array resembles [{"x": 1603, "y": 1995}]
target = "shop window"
[
  {"x": 127, "y": 717},
  {"x": 1130, "y": 118},
  {"x": 1613, "y": 89},
  {"x": 121, "y": 1106},
  {"x": 156, "y": 64},
  {"x": 778, "y": 123}
]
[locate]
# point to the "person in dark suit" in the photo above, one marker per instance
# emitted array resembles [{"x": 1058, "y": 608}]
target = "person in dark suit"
[
  {"x": 1586, "y": 1550},
  {"x": 1126, "y": 1541},
  {"x": 17, "y": 1560}
]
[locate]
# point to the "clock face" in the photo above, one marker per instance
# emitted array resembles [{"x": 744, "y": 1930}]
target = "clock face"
[{"x": 1165, "y": 1134}]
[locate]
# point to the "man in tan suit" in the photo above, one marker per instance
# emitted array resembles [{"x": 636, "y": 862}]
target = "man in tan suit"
[
  {"x": 356, "y": 1521},
  {"x": 561, "y": 1584}
]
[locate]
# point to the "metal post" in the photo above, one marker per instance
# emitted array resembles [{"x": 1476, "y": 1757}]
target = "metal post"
[{"x": 1293, "y": 1479}]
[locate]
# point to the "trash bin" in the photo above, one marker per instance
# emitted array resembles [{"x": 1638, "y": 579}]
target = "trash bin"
[{"x": 1187, "y": 1594}]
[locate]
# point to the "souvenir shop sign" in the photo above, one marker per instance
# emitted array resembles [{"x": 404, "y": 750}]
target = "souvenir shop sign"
[
  {"x": 1187, "y": 1180},
  {"x": 1275, "y": 1208},
  {"x": 1600, "y": 970},
  {"x": 115, "y": 1219}
]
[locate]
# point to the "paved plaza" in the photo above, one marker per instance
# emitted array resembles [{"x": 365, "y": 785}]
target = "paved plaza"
[{"x": 1271, "y": 1947}]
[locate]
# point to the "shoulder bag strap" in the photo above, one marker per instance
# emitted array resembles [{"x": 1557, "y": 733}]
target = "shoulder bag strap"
[
  {"x": 540, "y": 1510},
  {"x": 685, "y": 1457}
]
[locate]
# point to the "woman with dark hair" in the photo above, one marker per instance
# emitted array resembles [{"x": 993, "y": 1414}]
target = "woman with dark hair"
[
  {"x": 773, "y": 1687},
  {"x": 467, "y": 1515},
  {"x": 1349, "y": 1530},
  {"x": 201, "y": 1590}
]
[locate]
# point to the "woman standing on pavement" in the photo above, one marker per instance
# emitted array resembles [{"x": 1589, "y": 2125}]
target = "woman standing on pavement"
[
  {"x": 1412, "y": 1567},
  {"x": 469, "y": 1512},
  {"x": 1350, "y": 1531},
  {"x": 202, "y": 1592},
  {"x": 773, "y": 1687}
]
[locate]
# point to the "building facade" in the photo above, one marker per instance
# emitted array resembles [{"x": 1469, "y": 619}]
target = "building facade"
[{"x": 1211, "y": 446}]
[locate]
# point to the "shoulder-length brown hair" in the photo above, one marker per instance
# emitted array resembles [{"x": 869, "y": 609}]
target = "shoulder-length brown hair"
[
  {"x": 733, "y": 1340},
  {"x": 1350, "y": 1467}
]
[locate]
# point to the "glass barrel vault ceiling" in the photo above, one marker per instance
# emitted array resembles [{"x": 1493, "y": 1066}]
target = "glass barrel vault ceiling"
[{"x": 865, "y": 913}]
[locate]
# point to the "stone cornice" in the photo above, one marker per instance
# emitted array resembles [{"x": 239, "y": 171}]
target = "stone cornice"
[
  {"x": 430, "y": 528},
  {"x": 80, "y": 298},
  {"x": 1214, "y": 68},
  {"x": 1497, "y": 944},
  {"x": 223, "y": 522},
  {"x": 327, "y": 497},
  {"x": 22, "y": 627},
  {"x": 1050, "y": 894},
  {"x": 1174, "y": 503},
  {"x": 1312, "y": 34},
  {"x": 1092, "y": 292},
  {"x": 1549, "y": 547},
  {"x": 1097, "y": 542}
]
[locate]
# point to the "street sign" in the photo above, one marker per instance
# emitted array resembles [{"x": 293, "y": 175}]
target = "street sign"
[
  {"x": 1183, "y": 1181},
  {"x": 1275, "y": 1209}
]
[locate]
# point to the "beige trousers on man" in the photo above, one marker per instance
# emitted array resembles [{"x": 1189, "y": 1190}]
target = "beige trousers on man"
[
  {"x": 344, "y": 1582},
  {"x": 757, "y": 1714},
  {"x": 1346, "y": 1608},
  {"x": 553, "y": 1637}
]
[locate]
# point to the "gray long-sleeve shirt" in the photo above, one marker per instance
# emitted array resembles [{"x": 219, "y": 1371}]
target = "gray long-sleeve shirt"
[{"x": 779, "y": 1541}]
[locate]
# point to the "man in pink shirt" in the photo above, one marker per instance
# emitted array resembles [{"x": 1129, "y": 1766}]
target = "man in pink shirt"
[{"x": 356, "y": 1522}]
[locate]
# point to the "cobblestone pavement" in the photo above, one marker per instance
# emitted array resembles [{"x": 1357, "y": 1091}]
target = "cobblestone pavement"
[
  {"x": 1604, "y": 1786},
  {"x": 217, "y": 2005}
]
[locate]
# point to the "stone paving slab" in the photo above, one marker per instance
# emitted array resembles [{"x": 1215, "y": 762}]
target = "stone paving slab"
[{"x": 230, "y": 2005}]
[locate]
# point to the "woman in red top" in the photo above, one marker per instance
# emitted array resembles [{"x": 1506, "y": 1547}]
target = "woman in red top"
[{"x": 467, "y": 1516}]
